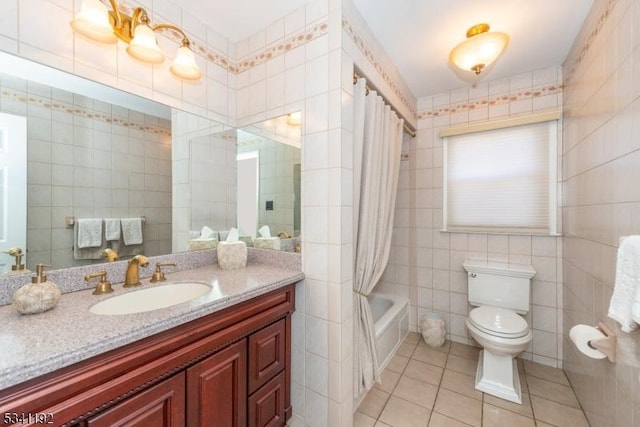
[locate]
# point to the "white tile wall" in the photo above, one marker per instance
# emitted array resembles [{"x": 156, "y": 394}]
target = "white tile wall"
[
  {"x": 72, "y": 160},
  {"x": 435, "y": 278},
  {"x": 601, "y": 201}
]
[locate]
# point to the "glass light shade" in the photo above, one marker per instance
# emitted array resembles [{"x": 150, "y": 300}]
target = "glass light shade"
[
  {"x": 144, "y": 45},
  {"x": 295, "y": 118},
  {"x": 477, "y": 52},
  {"x": 184, "y": 66},
  {"x": 93, "y": 21}
]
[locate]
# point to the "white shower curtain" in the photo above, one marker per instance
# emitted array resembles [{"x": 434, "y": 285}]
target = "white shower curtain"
[{"x": 377, "y": 144}]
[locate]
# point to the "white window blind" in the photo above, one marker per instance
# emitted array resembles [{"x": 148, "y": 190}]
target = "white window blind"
[{"x": 502, "y": 180}]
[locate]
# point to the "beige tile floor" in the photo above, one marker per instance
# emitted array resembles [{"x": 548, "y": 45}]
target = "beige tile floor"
[{"x": 423, "y": 386}]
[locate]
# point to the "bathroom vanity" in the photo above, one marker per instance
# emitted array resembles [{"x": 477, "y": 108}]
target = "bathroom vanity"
[{"x": 228, "y": 365}]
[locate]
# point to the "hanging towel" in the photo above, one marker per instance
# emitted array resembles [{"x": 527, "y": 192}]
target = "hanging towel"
[
  {"x": 627, "y": 285},
  {"x": 94, "y": 252},
  {"x": 635, "y": 311},
  {"x": 111, "y": 229},
  {"x": 131, "y": 231},
  {"x": 89, "y": 233}
]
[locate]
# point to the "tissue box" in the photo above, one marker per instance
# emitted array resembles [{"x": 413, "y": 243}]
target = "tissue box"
[
  {"x": 197, "y": 245},
  {"x": 232, "y": 255},
  {"x": 267, "y": 243},
  {"x": 247, "y": 239}
]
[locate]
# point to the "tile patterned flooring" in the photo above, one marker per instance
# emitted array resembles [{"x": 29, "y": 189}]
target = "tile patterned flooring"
[{"x": 423, "y": 386}]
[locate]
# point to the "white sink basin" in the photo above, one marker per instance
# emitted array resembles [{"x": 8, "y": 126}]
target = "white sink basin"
[{"x": 150, "y": 299}]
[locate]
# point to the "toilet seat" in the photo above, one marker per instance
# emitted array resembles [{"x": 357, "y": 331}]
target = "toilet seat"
[{"x": 499, "y": 322}]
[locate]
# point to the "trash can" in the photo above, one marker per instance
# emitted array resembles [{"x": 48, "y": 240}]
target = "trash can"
[{"x": 433, "y": 329}]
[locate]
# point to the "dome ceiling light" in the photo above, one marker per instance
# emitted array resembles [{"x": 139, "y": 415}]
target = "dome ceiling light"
[{"x": 480, "y": 49}]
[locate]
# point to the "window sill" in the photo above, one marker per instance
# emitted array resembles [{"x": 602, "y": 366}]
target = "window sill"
[{"x": 502, "y": 233}]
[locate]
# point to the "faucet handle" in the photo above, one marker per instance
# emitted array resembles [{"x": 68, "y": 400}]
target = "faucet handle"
[
  {"x": 158, "y": 276},
  {"x": 103, "y": 287}
]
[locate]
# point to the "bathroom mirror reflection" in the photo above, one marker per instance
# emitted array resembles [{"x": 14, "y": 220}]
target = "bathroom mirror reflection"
[
  {"x": 247, "y": 178},
  {"x": 91, "y": 151},
  {"x": 270, "y": 151}
]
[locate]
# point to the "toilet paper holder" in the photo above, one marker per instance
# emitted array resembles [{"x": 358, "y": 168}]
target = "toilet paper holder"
[{"x": 606, "y": 345}]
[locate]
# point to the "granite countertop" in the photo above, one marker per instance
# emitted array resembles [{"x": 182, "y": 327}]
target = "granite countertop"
[{"x": 33, "y": 345}]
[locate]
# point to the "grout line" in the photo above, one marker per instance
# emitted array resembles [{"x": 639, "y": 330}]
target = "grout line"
[{"x": 482, "y": 399}]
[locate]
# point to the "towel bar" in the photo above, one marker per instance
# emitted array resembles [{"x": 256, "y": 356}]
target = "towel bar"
[{"x": 71, "y": 220}]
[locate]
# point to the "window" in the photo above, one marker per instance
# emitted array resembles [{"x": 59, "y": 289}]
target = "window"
[{"x": 502, "y": 180}]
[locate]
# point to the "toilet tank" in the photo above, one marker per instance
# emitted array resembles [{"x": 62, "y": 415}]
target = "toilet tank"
[{"x": 499, "y": 284}]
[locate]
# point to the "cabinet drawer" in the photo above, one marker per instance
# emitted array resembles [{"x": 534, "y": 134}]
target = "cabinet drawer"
[
  {"x": 267, "y": 405},
  {"x": 266, "y": 354}
]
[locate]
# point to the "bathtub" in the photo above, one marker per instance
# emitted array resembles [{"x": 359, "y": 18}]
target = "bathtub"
[{"x": 391, "y": 324}]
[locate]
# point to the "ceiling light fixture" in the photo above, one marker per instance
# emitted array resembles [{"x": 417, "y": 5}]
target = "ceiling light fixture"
[
  {"x": 107, "y": 26},
  {"x": 480, "y": 49}
]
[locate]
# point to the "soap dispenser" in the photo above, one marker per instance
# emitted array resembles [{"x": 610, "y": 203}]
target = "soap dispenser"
[{"x": 38, "y": 296}]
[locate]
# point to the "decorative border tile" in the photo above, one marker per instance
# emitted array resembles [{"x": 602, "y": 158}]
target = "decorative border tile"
[
  {"x": 269, "y": 52},
  {"x": 357, "y": 40},
  {"x": 280, "y": 48},
  {"x": 491, "y": 101},
  {"x": 62, "y": 107},
  {"x": 587, "y": 40}
]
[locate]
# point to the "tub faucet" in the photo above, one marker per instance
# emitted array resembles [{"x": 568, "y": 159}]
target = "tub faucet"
[{"x": 132, "y": 276}]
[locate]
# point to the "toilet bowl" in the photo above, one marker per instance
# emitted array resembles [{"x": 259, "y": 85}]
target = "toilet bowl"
[
  {"x": 503, "y": 334},
  {"x": 500, "y": 293}
]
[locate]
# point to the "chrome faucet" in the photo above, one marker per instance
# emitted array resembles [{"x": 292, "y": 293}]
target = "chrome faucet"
[{"x": 132, "y": 276}]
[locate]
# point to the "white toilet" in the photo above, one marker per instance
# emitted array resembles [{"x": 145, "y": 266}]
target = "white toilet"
[{"x": 500, "y": 293}]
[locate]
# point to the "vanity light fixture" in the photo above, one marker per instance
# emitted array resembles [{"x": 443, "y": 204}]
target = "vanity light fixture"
[
  {"x": 295, "y": 118},
  {"x": 107, "y": 26},
  {"x": 481, "y": 48}
]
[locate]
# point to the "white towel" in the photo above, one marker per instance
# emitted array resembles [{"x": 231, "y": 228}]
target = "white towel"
[
  {"x": 131, "y": 231},
  {"x": 111, "y": 229},
  {"x": 89, "y": 232},
  {"x": 627, "y": 286}
]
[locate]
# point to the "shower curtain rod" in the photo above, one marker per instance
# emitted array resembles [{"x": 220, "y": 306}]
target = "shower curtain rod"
[{"x": 405, "y": 125}]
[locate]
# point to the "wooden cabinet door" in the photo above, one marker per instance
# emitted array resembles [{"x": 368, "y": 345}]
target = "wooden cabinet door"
[
  {"x": 217, "y": 389},
  {"x": 162, "y": 405},
  {"x": 266, "y": 406},
  {"x": 266, "y": 354}
]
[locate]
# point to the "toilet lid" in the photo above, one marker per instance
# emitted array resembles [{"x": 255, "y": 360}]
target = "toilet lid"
[{"x": 499, "y": 321}]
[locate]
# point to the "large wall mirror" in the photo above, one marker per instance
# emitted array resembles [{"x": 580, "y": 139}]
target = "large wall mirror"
[{"x": 73, "y": 149}]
